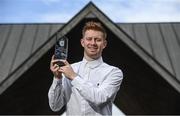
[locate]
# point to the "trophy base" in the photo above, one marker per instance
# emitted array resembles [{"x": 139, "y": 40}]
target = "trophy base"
[{"x": 60, "y": 64}]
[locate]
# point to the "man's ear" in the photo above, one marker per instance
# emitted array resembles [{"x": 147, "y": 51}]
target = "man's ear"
[
  {"x": 105, "y": 44},
  {"x": 82, "y": 42}
]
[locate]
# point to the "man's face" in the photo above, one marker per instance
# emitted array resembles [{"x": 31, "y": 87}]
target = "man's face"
[{"x": 93, "y": 43}]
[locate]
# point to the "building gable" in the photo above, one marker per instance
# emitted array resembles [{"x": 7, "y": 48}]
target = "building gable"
[{"x": 22, "y": 45}]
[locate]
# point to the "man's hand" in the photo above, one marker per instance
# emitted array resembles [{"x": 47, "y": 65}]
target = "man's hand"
[
  {"x": 55, "y": 68},
  {"x": 67, "y": 70}
]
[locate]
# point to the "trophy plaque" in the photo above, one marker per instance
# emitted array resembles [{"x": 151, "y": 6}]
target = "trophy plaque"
[{"x": 61, "y": 49}]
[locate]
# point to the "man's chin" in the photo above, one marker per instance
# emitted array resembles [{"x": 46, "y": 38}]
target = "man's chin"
[
  {"x": 94, "y": 56},
  {"x": 92, "y": 53}
]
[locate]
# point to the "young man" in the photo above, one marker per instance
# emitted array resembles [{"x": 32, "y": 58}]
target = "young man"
[{"x": 87, "y": 87}]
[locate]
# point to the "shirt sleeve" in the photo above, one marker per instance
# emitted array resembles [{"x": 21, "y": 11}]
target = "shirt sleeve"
[
  {"x": 56, "y": 95},
  {"x": 102, "y": 94}
]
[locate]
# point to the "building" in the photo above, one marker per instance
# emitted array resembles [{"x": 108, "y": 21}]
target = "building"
[{"x": 148, "y": 54}]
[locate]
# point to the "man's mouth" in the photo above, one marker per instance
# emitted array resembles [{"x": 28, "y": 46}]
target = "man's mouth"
[{"x": 92, "y": 48}]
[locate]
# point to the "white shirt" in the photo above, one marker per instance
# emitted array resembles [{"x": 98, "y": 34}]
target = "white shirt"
[{"x": 92, "y": 92}]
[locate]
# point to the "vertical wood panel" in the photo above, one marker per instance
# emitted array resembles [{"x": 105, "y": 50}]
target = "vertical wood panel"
[
  {"x": 55, "y": 28},
  {"x": 160, "y": 52},
  {"x": 25, "y": 45},
  {"x": 10, "y": 50},
  {"x": 173, "y": 47},
  {"x": 4, "y": 33},
  {"x": 142, "y": 37},
  {"x": 176, "y": 28},
  {"x": 42, "y": 36},
  {"x": 128, "y": 29}
]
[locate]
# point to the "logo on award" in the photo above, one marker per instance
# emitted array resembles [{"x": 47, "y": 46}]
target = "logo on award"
[{"x": 61, "y": 43}]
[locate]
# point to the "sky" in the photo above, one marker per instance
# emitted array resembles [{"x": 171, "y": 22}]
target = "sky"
[{"x": 61, "y": 11}]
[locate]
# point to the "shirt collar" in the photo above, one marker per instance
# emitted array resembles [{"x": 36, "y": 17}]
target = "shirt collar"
[{"x": 93, "y": 63}]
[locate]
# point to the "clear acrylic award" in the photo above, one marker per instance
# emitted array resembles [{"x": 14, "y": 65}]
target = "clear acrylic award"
[{"x": 61, "y": 49}]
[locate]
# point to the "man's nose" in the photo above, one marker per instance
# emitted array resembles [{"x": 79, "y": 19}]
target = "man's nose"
[{"x": 93, "y": 41}]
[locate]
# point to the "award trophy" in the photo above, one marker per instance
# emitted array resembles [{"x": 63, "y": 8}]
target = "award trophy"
[{"x": 61, "y": 49}]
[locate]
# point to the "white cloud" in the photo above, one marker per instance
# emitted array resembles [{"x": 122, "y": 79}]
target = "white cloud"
[
  {"x": 141, "y": 10},
  {"x": 117, "y": 10},
  {"x": 49, "y": 2},
  {"x": 55, "y": 17}
]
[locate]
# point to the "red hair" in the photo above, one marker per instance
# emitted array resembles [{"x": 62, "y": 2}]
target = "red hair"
[{"x": 91, "y": 25}]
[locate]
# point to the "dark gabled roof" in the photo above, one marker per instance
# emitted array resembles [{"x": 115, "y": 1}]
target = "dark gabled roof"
[
  {"x": 23, "y": 44},
  {"x": 161, "y": 43},
  {"x": 20, "y": 47}
]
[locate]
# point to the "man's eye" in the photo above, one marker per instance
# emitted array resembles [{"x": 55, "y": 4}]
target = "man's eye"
[
  {"x": 99, "y": 40},
  {"x": 88, "y": 38}
]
